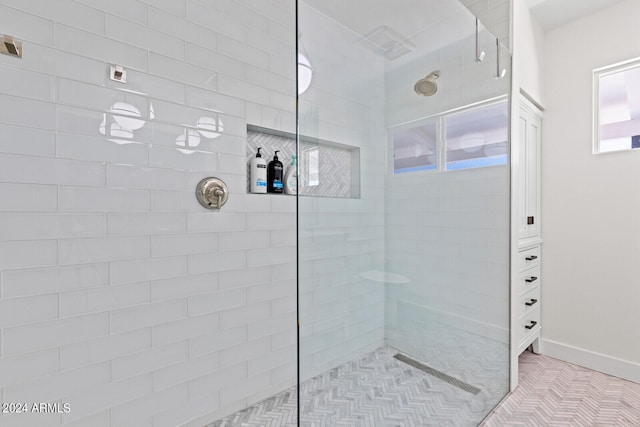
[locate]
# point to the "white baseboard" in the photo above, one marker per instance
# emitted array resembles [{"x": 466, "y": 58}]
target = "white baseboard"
[{"x": 592, "y": 360}]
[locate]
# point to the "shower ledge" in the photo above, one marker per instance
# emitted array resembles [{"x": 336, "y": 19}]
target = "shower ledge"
[{"x": 385, "y": 277}]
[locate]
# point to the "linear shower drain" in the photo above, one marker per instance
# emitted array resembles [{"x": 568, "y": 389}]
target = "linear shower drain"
[{"x": 440, "y": 375}]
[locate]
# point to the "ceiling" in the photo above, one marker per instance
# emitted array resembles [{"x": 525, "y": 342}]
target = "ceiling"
[
  {"x": 407, "y": 17},
  {"x": 410, "y": 17},
  {"x": 428, "y": 25},
  {"x": 554, "y": 13},
  {"x": 405, "y": 20}
]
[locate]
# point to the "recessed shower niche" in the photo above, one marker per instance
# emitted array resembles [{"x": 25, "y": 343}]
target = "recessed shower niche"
[{"x": 326, "y": 169}]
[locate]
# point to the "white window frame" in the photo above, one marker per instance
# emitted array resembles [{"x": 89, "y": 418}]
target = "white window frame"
[
  {"x": 597, "y": 74},
  {"x": 416, "y": 123},
  {"x": 441, "y": 152}
]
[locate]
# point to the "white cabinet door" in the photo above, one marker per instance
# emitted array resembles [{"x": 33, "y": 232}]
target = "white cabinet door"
[
  {"x": 533, "y": 178},
  {"x": 528, "y": 176},
  {"x": 521, "y": 178}
]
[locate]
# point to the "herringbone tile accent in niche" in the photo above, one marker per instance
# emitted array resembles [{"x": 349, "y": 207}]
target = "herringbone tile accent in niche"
[
  {"x": 332, "y": 166},
  {"x": 553, "y": 393}
]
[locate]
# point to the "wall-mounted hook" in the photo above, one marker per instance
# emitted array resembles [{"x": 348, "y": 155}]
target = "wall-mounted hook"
[
  {"x": 500, "y": 71},
  {"x": 480, "y": 54},
  {"x": 117, "y": 73},
  {"x": 9, "y": 46}
]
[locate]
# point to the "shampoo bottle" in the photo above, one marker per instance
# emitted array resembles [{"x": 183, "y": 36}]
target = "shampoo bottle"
[
  {"x": 274, "y": 175},
  {"x": 258, "y": 174},
  {"x": 291, "y": 178}
]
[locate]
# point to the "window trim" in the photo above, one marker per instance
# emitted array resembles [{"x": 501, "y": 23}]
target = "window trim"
[
  {"x": 597, "y": 74},
  {"x": 391, "y": 131},
  {"x": 441, "y": 150}
]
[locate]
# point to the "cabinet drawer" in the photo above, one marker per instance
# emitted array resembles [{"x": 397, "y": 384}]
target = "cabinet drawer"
[
  {"x": 529, "y": 326},
  {"x": 528, "y": 258},
  {"x": 529, "y": 301},
  {"x": 528, "y": 279}
]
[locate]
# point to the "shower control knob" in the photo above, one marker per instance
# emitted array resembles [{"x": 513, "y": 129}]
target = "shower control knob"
[{"x": 212, "y": 193}]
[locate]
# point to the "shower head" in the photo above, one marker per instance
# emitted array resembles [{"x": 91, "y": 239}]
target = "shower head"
[{"x": 427, "y": 86}]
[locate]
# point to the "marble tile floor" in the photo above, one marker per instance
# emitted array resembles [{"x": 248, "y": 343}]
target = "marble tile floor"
[{"x": 377, "y": 390}]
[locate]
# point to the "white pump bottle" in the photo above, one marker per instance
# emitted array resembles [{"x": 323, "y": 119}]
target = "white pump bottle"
[{"x": 258, "y": 174}]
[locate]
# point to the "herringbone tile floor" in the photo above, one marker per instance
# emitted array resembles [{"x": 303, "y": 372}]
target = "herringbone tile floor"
[
  {"x": 553, "y": 393},
  {"x": 376, "y": 390},
  {"x": 379, "y": 391}
]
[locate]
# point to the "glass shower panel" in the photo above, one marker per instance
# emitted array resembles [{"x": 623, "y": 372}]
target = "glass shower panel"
[
  {"x": 341, "y": 210},
  {"x": 403, "y": 284}
]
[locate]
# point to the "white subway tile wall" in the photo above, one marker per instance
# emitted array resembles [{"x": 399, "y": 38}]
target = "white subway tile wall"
[
  {"x": 119, "y": 293},
  {"x": 450, "y": 238},
  {"x": 344, "y": 104},
  {"x": 452, "y": 245}
]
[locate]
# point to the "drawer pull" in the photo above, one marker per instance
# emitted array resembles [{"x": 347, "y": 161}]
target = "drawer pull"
[
  {"x": 531, "y": 279},
  {"x": 532, "y": 302},
  {"x": 531, "y": 258},
  {"x": 530, "y": 326}
]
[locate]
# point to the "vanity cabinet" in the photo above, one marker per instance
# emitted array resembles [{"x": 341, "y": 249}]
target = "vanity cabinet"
[
  {"x": 527, "y": 288},
  {"x": 526, "y": 265},
  {"x": 527, "y": 295}
]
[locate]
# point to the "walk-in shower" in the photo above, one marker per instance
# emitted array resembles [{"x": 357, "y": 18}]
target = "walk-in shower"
[
  {"x": 404, "y": 291},
  {"x": 144, "y": 284},
  {"x": 403, "y": 276}
]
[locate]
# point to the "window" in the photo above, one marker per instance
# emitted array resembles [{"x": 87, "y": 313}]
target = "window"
[
  {"x": 478, "y": 137},
  {"x": 616, "y": 112},
  {"x": 415, "y": 148},
  {"x": 468, "y": 138}
]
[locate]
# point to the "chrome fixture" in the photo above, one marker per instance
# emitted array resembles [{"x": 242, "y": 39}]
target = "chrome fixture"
[
  {"x": 500, "y": 72},
  {"x": 427, "y": 86},
  {"x": 9, "y": 46},
  {"x": 212, "y": 193},
  {"x": 480, "y": 54}
]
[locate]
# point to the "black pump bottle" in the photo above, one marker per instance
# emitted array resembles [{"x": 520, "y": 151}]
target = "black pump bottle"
[{"x": 274, "y": 175}]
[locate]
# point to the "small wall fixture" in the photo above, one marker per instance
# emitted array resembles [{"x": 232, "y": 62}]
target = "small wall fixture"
[
  {"x": 212, "y": 193},
  {"x": 427, "y": 86},
  {"x": 500, "y": 72},
  {"x": 480, "y": 54},
  {"x": 117, "y": 73},
  {"x": 9, "y": 46}
]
